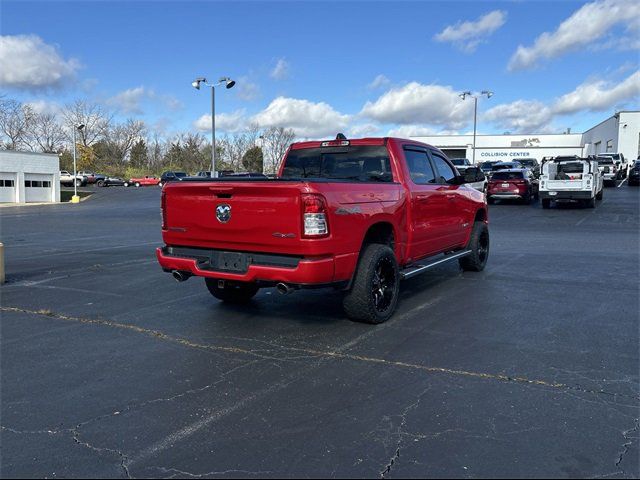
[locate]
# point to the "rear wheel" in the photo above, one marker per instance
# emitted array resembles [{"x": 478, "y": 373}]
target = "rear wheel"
[
  {"x": 546, "y": 203},
  {"x": 374, "y": 294},
  {"x": 233, "y": 292},
  {"x": 591, "y": 203},
  {"x": 479, "y": 246},
  {"x": 126, "y": 184},
  {"x": 137, "y": 184},
  {"x": 100, "y": 183},
  {"x": 78, "y": 183},
  {"x": 599, "y": 194}
]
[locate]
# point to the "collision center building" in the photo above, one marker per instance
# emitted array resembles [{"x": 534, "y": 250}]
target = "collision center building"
[
  {"x": 619, "y": 133},
  {"x": 28, "y": 177}
]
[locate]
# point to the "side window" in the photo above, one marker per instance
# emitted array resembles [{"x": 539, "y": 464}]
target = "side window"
[
  {"x": 444, "y": 169},
  {"x": 419, "y": 167}
]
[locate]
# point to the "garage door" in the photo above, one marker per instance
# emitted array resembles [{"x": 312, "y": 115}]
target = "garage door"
[
  {"x": 7, "y": 187},
  {"x": 37, "y": 187}
]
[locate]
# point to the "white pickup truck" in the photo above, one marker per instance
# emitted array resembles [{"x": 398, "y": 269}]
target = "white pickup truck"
[
  {"x": 572, "y": 179},
  {"x": 67, "y": 179}
]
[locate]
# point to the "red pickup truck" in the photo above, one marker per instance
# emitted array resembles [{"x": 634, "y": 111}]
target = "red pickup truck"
[
  {"x": 142, "y": 181},
  {"x": 358, "y": 215}
]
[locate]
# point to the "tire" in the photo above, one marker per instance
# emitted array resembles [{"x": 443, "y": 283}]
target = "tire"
[
  {"x": 100, "y": 183},
  {"x": 137, "y": 184},
  {"x": 546, "y": 203},
  {"x": 373, "y": 296},
  {"x": 160, "y": 184},
  {"x": 490, "y": 201},
  {"x": 233, "y": 292},
  {"x": 599, "y": 194},
  {"x": 479, "y": 245},
  {"x": 527, "y": 199},
  {"x": 591, "y": 203},
  {"x": 78, "y": 183},
  {"x": 126, "y": 184}
]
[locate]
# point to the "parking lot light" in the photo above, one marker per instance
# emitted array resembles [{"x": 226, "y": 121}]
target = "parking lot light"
[
  {"x": 75, "y": 199},
  {"x": 228, "y": 84},
  {"x": 475, "y": 96}
]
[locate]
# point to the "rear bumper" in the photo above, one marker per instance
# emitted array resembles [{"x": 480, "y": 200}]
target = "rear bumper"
[
  {"x": 566, "y": 195},
  {"x": 298, "y": 271},
  {"x": 513, "y": 196}
]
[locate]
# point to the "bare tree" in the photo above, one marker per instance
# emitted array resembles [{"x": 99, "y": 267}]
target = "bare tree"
[
  {"x": 96, "y": 121},
  {"x": 119, "y": 138},
  {"x": 15, "y": 121},
  {"x": 275, "y": 141},
  {"x": 47, "y": 133}
]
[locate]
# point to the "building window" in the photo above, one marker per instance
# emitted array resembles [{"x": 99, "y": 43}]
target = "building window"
[
  {"x": 7, "y": 183},
  {"x": 609, "y": 145},
  {"x": 27, "y": 183},
  {"x": 46, "y": 184},
  {"x": 37, "y": 184}
]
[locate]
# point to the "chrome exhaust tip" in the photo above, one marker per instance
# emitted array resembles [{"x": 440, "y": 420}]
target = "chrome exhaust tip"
[
  {"x": 284, "y": 289},
  {"x": 180, "y": 276}
]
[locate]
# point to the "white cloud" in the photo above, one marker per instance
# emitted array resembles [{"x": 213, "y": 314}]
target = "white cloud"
[
  {"x": 592, "y": 95},
  {"x": 416, "y": 103},
  {"x": 468, "y": 35},
  {"x": 235, "y": 121},
  {"x": 27, "y": 62},
  {"x": 380, "y": 81},
  {"x": 598, "y": 95},
  {"x": 406, "y": 131},
  {"x": 364, "y": 130},
  {"x": 247, "y": 90},
  {"x": 587, "y": 25},
  {"x": 307, "y": 119},
  {"x": 281, "y": 70},
  {"x": 130, "y": 100},
  {"x": 45, "y": 107},
  {"x": 520, "y": 116}
]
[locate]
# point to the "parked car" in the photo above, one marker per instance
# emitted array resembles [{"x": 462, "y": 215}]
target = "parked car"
[
  {"x": 204, "y": 174},
  {"x": 143, "y": 181},
  {"x": 246, "y": 174},
  {"x": 620, "y": 162},
  {"x": 461, "y": 164},
  {"x": 572, "y": 179},
  {"x": 634, "y": 174},
  {"x": 475, "y": 178},
  {"x": 532, "y": 164},
  {"x": 513, "y": 184},
  {"x": 113, "y": 182},
  {"x": 68, "y": 180},
  {"x": 486, "y": 167},
  {"x": 505, "y": 166},
  {"x": 356, "y": 215},
  {"x": 609, "y": 169},
  {"x": 92, "y": 177},
  {"x": 172, "y": 177}
]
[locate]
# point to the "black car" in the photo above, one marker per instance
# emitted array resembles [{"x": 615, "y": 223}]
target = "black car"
[
  {"x": 634, "y": 174},
  {"x": 172, "y": 177},
  {"x": 532, "y": 164},
  {"x": 112, "y": 182},
  {"x": 486, "y": 167}
]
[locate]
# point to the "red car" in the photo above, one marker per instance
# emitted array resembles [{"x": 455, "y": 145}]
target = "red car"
[
  {"x": 143, "y": 181},
  {"x": 513, "y": 184},
  {"x": 355, "y": 215}
]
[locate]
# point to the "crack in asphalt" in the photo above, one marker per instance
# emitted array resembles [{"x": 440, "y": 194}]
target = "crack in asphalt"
[
  {"x": 626, "y": 446},
  {"x": 338, "y": 354},
  {"x": 175, "y": 472}
]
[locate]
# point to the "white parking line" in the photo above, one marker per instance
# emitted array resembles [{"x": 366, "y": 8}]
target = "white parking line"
[{"x": 622, "y": 182}]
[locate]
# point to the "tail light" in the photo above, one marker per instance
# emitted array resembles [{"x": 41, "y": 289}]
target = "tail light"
[
  {"x": 163, "y": 209},
  {"x": 314, "y": 216}
]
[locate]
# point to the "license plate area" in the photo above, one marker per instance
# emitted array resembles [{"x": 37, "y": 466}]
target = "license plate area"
[
  {"x": 230, "y": 262},
  {"x": 504, "y": 185}
]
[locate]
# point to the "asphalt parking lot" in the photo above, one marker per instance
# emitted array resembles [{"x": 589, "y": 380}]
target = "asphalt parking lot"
[{"x": 112, "y": 369}]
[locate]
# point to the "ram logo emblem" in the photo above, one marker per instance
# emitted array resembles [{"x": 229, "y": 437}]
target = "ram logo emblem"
[{"x": 223, "y": 212}]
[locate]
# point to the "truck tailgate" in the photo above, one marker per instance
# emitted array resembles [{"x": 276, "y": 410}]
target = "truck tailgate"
[
  {"x": 263, "y": 216},
  {"x": 569, "y": 185}
]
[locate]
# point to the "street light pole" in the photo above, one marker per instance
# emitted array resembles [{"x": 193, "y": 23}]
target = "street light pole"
[
  {"x": 229, "y": 84},
  {"x": 464, "y": 95},
  {"x": 75, "y": 198}
]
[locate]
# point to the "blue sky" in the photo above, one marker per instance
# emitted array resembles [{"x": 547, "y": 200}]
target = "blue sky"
[{"x": 139, "y": 58}]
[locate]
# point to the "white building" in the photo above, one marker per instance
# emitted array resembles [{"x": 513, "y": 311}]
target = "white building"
[
  {"x": 619, "y": 133},
  {"x": 27, "y": 177}
]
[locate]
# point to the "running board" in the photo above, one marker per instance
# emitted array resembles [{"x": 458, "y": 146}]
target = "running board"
[{"x": 417, "y": 269}]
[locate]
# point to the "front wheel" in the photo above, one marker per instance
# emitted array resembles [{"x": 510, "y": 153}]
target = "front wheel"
[
  {"x": 137, "y": 184},
  {"x": 546, "y": 203},
  {"x": 78, "y": 183},
  {"x": 373, "y": 297},
  {"x": 479, "y": 246},
  {"x": 100, "y": 183},
  {"x": 126, "y": 184},
  {"x": 231, "y": 292}
]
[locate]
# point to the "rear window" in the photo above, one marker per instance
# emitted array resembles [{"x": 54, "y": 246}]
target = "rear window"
[
  {"x": 574, "y": 167},
  {"x": 363, "y": 163},
  {"x": 507, "y": 176},
  {"x": 528, "y": 162},
  {"x": 605, "y": 160},
  {"x": 180, "y": 174},
  {"x": 459, "y": 162}
]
